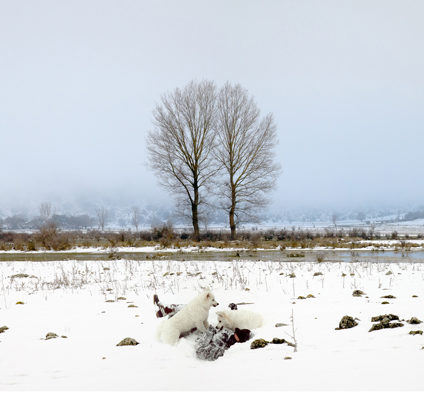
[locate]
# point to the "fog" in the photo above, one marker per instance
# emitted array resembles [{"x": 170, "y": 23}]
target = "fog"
[{"x": 79, "y": 81}]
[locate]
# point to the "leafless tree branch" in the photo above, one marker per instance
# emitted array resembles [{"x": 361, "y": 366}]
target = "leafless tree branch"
[
  {"x": 182, "y": 142},
  {"x": 244, "y": 150}
]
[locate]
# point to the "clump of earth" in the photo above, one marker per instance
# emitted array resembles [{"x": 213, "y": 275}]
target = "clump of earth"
[
  {"x": 280, "y": 324},
  {"x": 380, "y": 318},
  {"x": 347, "y": 322},
  {"x": 127, "y": 341},
  {"x": 21, "y": 275},
  {"x": 310, "y": 296},
  {"x": 385, "y": 322},
  {"x": 261, "y": 343},
  {"x": 414, "y": 321},
  {"x": 276, "y": 340},
  {"x": 358, "y": 293},
  {"x": 51, "y": 335},
  {"x": 258, "y": 343}
]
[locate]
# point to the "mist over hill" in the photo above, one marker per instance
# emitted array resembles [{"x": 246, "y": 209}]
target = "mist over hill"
[{"x": 82, "y": 213}]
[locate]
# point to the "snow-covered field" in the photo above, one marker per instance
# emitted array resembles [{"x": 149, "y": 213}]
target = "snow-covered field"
[
  {"x": 70, "y": 298},
  {"x": 147, "y": 249}
]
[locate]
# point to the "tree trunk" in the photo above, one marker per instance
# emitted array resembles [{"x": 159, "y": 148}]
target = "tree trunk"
[
  {"x": 232, "y": 225},
  {"x": 195, "y": 220},
  {"x": 195, "y": 215},
  {"x": 232, "y": 211}
]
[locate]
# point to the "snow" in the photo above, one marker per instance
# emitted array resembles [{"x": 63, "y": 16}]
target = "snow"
[
  {"x": 69, "y": 298},
  {"x": 397, "y": 242},
  {"x": 146, "y": 249}
]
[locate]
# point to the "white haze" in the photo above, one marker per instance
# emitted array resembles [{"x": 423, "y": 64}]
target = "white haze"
[{"x": 79, "y": 80}]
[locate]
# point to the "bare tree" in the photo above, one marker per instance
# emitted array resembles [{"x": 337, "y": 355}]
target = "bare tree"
[
  {"x": 135, "y": 217},
  {"x": 102, "y": 215},
  {"x": 182, "y": 142},
  {"x": 334, "y": 218},
  {"x": 245, "y": 151},
  {"x": 45, "y": 210}
]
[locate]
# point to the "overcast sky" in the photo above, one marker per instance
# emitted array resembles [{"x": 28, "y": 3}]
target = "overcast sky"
[{"x": 344, "y": 80}]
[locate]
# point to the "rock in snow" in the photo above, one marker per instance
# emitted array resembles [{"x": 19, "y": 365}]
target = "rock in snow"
[
  {"x": 358, "y": 293},
  {"x": 127, "y": 341},
  {"x": 414, "y": 321},
  {"x": 385, "y": 322},
  {"x": 347, "y": 322}
]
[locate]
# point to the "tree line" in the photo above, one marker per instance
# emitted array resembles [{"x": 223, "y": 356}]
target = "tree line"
[{"x": 211, "y": 146}]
